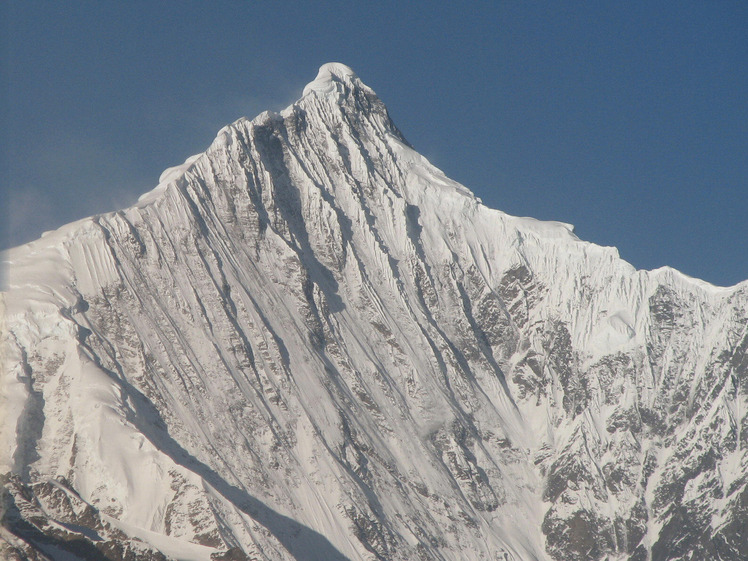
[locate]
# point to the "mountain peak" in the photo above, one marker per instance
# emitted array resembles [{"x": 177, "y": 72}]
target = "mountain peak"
[
  {"x": 329, "y": 75},
  {"x": 309, "y": 343}
]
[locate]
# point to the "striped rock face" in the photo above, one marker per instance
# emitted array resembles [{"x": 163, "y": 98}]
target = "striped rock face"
[{"x": 308, "y": 343}]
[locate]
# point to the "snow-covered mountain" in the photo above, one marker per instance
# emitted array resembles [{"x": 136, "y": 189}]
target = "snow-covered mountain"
[{"x": 308, "y": 343}]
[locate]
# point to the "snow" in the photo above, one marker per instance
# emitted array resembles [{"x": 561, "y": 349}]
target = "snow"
[
  {"x": 327, "y": 76},
  {"x": 174, "y": 548},
  {"x": 310, "y": 328}
]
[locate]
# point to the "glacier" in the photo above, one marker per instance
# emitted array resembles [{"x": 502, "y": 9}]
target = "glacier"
[{"x": 308, "y": 343}]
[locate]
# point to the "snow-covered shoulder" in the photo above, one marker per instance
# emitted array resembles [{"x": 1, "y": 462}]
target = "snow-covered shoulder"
[
  {"x": 168, "y": 176},
  {"x": 672, "y": 275}
]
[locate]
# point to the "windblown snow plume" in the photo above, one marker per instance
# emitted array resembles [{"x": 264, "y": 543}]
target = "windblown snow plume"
[{"x": 307, "y": 343}]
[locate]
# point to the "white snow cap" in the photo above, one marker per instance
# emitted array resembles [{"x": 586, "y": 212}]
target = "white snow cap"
[{"x": 328, "y": 75}]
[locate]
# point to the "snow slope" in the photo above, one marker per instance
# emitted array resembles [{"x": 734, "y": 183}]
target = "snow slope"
[{"x": 308, "y": 343}]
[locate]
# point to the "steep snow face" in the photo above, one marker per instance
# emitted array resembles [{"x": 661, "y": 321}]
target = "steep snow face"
[{"x": 308, "y": 343}]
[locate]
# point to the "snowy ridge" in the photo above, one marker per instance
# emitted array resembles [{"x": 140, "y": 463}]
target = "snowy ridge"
[{"x": 308, "y": 343}]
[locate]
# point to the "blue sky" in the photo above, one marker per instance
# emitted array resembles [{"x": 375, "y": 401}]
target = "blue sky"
[{"x": 627, "y": 119}]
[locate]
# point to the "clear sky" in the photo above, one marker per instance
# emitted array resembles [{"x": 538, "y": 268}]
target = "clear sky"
[{"x": 627, "y": 119}]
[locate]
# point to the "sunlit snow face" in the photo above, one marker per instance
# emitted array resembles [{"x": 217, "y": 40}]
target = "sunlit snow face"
[{"x": 308, "y": 334}]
